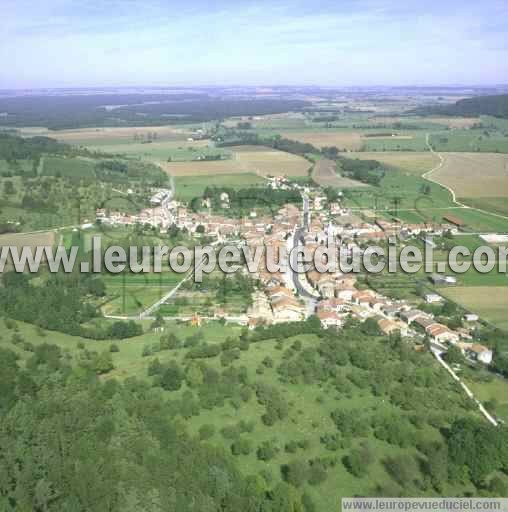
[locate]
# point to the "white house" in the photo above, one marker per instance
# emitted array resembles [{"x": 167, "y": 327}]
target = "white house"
[{"x": 433, "y": 298}]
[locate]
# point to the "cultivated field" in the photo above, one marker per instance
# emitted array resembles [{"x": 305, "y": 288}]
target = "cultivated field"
[
  {"x": 413, "y": 162},
  {"x": 101, "y": 136},
  {"x": 202, "y": 168},
  {"x": 475, "y": 175},
  {"x": 28, "y": 239},
  {"x": 188, "y": 187},
  {"x": 245, "y": 159},
  {"x": 450, "y": 122},
  {"x": 325, "y": 174},
  {"x": 490, "y": 302},
  {"x": 32, "y": 240},
  {"x": 266, "y": 161},
  {"x": 343, "y": 140}
]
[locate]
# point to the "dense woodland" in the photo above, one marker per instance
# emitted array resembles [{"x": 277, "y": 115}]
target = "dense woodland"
[
  {"x": 63, "y": 302},
  {"x": 495, "y": 105},
  {"x": 80, "y": 111}
]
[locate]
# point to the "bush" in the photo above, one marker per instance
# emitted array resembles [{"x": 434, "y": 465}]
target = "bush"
[
  {"x": 114, "y": 348},
  {"x": 241, "y": 447},
  {"x": 296, "y": 472},
  {"x": 267, "y": 451},
  {"x": 206, "y": 431}
]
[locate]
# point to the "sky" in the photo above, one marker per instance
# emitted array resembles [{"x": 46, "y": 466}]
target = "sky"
[{"x": 90, "y": 43}]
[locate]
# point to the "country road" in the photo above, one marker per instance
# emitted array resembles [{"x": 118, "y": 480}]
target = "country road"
[{"x": 428, "y": 174}]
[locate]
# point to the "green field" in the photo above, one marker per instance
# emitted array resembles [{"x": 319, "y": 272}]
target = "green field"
[
  {"x": 163, "y": 151},
  {"x": 494, "y": 388},
  {"x": 74, "y": 168},
  {"x": 188, "y": 187},
  {"x": 470, "y": 141},
  {"x": 489, "y": 302},
  {"x": 129, "y": 294},
  {"x": 17, "y": 167},
  {"x": 399, "y": 191},
  {"x": 497, "y": 205}
]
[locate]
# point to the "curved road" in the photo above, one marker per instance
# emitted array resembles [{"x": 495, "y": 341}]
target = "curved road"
[{"x": 427, "y": 177}]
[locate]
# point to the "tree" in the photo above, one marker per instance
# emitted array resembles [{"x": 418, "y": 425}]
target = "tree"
[
  {"x": 454, "y": 355},
  {"x": 296, "y": 472},
  {"x": 172, "y": 378},
  {"x": 267, "y": 451},
  {"x": 206, "y": 431},
  {"x": 241, "y": 446},
  {"x": 9, "y": 189},
  {"x": 358, "y": 460},
  {"x": 103, "y": 362},
  {"x": 498, "y": 487},
  {"x": 403, "y": 469},
  {"x": 317, "y": 473}
]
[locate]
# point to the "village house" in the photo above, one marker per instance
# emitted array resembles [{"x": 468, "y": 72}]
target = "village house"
[
  {"x": 288, "y": 310},
  {"x": 424, "y": 322},
  {"x": 480, "y": 353},
  {"x": 432, "y": 298},
  {"x": 260, "y": 308},
  {"x": 332, "y": 304},
  {"x": 411, "y": 315},
  {"x": 390, "y": 310},
  {"x": 330, "y": 319},
  {"x": 388, "y": 326},
  {"x": 441, "y": 334}
]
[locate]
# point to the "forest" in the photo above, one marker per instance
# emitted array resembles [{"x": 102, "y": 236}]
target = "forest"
[
  {"x": 495, "y": 105},
  {"x": 58, "y": 112}
]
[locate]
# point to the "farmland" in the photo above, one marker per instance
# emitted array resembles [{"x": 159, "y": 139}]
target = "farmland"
[
  {"x": 116, "y": 136},
  {"x": 411, "y": 162},
  {"x": 188, "y": 187},
  {"x": 344, "y": 140},
  {"x": 473, "y": 175},
  {"x": 46, "y": 238},
  {"x": 491, "y": 303},
  {"x": 325, "y": 174},
  {"x": 245, "y": 159},
  {"x": 73, "y": 168},
  {"x": 267, "y": 161}
]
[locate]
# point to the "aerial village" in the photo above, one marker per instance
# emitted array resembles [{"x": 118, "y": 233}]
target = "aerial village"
[{"x": 332, "y": 297}]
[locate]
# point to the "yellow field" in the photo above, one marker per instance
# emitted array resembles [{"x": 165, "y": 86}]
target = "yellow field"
[
  {"x": 412, "y": 162},
  {"x": 202, "y": 168},
  {"x": 490, "y": 302},
  {"x": 86, "y": 136},
  {"x": 324, "y": 174},
  {"x": 475, "y": 174},
  {"x": 266, "y": 161},
  {"x": 28, "y": 239},
  {"x": 20, "y": 240},
  {"x": 342, "y": 140},
  {"x": 246, "y": 159}
]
